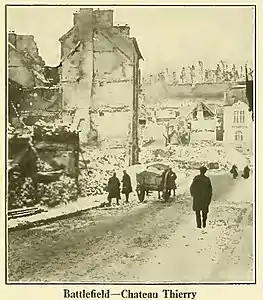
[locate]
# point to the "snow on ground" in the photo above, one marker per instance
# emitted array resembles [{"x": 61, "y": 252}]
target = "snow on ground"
[
  {"x": 223, "y": 252},
  {"x": 152, "y": 241},
  {"x": 195, "y": 155}
]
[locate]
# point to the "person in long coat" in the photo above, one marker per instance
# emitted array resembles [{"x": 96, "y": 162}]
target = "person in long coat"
[
  {"x": 246, "y": 172},
  {"x": 126, "y": 185},
  {"x": 167, "y": 183},
  {"x": 114, "y": 189},
  {"x": 201, "y": 191},
  {"x": 234, "y": 172}
]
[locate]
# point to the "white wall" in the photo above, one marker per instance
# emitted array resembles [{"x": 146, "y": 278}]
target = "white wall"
[
  {"x": 203, "y": 130},
  {"x": 113, "y": 126},
  {"x": 230, "y": 128}
]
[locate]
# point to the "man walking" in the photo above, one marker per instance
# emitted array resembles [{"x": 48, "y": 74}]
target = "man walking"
[
  {"x": 114, "y": 189},
  {"x": 126, "y": 185},
  {"x": 201, "y": 191}
]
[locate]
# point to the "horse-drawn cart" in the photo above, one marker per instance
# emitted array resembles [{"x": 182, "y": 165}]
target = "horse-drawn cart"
[{"x": 150, "y": 180}]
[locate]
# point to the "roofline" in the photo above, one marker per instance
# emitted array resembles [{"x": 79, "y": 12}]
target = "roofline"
[
  {"x": 201, "y": 102},
  {"x": 66, "y": 34},
  {"x": 135, "y": 43}
]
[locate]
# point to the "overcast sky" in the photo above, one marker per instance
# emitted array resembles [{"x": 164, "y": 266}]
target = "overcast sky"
[{"x": 167, "y": 36}]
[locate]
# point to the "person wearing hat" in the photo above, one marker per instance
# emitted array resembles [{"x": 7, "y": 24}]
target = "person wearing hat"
[
  {"x": 201, "y": 191},
  {"x": 114, "y": 189}
]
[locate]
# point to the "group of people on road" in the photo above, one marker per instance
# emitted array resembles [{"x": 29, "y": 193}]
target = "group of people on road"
[
  {"x": 201, "y": 190},
  {"x": 234, "y": 172},
  {"x": 114, "y": 187}
]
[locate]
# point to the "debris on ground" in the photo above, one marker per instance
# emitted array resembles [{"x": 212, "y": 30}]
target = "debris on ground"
[
  {"x": 57, "y": 192},
  {"x": 214, "y": 156}
]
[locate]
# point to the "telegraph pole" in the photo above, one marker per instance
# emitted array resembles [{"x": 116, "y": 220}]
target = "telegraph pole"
[{"x": 134, "y": 127}]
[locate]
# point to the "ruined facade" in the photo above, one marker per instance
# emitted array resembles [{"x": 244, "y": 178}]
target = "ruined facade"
[
  {"x": 100, "y": 76},
  {"x": 30, "y": 93},
  {"x": 25, "y": 65}
]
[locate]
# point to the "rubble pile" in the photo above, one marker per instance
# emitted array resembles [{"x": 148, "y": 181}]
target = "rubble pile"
[
  {"x": 192, "y": 157},
  {"x": 97, "y": 168},
  {"x": 54, "y": 132},
  {"x": 21, "y": 191},
  {"x": 104, "y": 159},
  {"x": 57, "y": 192},
  {"x": 44, "y": 185},
  {"x": 93, "y": 182},
  {"x": 43, "y": 166}
]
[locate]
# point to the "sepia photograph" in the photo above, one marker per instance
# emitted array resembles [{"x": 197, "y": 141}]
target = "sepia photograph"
[{"x": 130, "y": 137}]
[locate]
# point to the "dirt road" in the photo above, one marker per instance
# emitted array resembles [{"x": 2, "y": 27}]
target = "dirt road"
[{"x": 155, "y": 241}]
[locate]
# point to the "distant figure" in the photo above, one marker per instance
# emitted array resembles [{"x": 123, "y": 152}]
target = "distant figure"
[
  {"x": 201, "y": 191},
  {"x": 246, "y": 172},
  {"x": 234, "y": 172},
  {"x": 126, "y": 185},
  {"x": 114, "y": 189}
]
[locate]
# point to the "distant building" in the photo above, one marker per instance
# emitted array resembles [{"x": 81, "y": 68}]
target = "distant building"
[
  {"x": 201, "y": 119},
  {"x": 238, "y": 128},
  {"x": 203, "y": 122},
  {"x": 100, "y": 76}
]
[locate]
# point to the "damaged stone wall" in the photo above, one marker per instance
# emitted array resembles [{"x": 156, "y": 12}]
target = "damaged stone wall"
[
  {"x": 27, "y": 43},
  {"x": 41, "y": 99},
  {"x": 99, "y": 72},
  {"x": 23, "y": 54},
  {"x": 112, "y": 125},
  {"x": 30, "y": 92},
  {"x": 18, "y": 70}
]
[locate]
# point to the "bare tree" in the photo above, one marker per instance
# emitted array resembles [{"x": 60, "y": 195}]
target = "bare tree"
[
  {"x": 179, "y": 130},
  {"x": 168, "y": 133}
]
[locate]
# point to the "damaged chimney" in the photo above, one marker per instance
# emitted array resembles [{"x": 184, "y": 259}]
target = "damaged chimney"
[
  {"x": 103, "y": 18},
  {"x": 84, "y": 21},
  {"x": 123, "y": 30}
]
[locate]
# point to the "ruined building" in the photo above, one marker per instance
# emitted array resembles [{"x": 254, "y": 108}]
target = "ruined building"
[
  {"x": 25, "y": 65},
  {"x": 100, "y": 76},
  {"x": 30, "y": 93}
]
